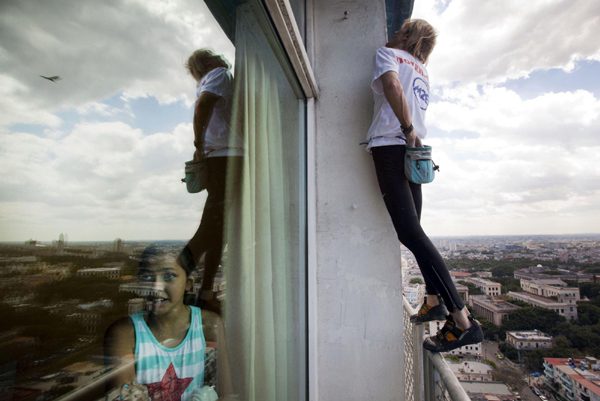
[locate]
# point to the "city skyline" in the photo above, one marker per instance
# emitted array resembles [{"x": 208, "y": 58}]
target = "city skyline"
[{"x": 100, "y": 153}]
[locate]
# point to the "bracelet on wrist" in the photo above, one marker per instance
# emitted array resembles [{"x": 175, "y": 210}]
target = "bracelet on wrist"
[
  {"x": 196, "y": 145},
  {"x": 408, "y": 130}
]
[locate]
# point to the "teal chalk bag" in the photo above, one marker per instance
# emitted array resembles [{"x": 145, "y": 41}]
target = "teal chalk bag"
[
  {"x": 196, "y": 176},
  {"x": 418, "y": 165}
]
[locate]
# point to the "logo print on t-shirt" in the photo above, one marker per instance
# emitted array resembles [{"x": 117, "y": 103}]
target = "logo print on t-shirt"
[{"x": 421, "y": 92}]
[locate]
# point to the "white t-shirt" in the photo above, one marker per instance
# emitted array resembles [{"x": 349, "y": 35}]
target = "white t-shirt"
[
  {"x": 385, "y": 128},
  {"x": 219, "y": 139}
]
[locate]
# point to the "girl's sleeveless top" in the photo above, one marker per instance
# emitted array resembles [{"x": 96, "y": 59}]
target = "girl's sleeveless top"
[{"x": 153, "y": 361}]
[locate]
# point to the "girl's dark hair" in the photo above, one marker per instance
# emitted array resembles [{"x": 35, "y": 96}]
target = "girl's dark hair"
[{"x": 154, "y": 255}]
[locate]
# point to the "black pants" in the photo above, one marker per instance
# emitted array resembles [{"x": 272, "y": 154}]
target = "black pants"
[
  {"x": 210, "y": 233},
  {"x": 403, "y": 200}
]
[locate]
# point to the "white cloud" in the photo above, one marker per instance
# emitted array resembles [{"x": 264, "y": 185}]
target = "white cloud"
[
  {"x": 492, "y": 41},
  {"x": 103, "y": 109},
  {"x": 532, "y": 169},
  {"x": 102, "y": 180},
  {"x": 99, "y": 49}
]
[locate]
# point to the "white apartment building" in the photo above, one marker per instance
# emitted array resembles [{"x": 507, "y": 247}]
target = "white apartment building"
[
  {"x": 578, "y": 379},
  {"x": 569, "y": 311},
  {"x": 415, "y": 294},
  {"x": 472, "y": 371},
  {"x": 488, "y": 287},
  {"x": 529, "y": 340},
  {"x": 567, "y": 295},
  {"x": 110, "y": 272}
]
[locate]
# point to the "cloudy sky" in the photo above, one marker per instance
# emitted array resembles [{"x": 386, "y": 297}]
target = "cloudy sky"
[
  {"x": 514, "y": 117},
  {"x": 99, "y": 154}
]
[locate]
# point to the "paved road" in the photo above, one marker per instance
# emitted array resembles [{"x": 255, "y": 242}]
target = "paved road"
[{"x": 490, "y": 350}]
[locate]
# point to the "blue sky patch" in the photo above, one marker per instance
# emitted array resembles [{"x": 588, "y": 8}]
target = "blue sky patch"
[
  {"x": 35, "y": 129},
  {"x": 148, "y": 115},
  {"x": 584, "y": 76},
  {"x": 456, "y": 134},
  {"x": 152, "y": 117}
]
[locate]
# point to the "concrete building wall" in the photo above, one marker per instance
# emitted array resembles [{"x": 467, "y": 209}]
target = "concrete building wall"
[
  {"x": 569, "y": 311},
  {"x": 359, "y": 285}
]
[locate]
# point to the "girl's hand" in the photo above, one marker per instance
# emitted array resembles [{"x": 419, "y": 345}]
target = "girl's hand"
[{"x": 130, "y": 392}]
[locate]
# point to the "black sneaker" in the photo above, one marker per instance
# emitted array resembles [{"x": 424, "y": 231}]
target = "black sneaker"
[
  {"x": 428, "y": 313},
  {"x": 451, "y": 337}
]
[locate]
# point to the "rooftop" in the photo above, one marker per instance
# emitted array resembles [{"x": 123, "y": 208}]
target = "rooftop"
[
  {"x": 532, "y": 335},
  {"x": 550, "y": 281},
  {"x": 494, "y": 303},
  {"x": 479, "y": 387},
  {"x": 593, "y": 386},
  {"x": 483, "y": 281},
  {"x": 534, "y": 297}
]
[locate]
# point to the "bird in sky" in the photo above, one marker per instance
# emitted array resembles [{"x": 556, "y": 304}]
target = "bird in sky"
[{"x": 53, "y": 79}]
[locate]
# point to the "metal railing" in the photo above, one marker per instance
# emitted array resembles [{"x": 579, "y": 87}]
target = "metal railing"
[{"x": 427, "y": 376}]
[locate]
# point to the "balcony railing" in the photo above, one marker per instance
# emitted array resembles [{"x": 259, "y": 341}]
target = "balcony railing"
[{"x": 427, "y": 376}]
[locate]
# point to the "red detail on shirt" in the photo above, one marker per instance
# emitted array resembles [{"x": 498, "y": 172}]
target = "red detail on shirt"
[
  {"x": 170, "y": 388},
  {"x": 418, "y": 69}
]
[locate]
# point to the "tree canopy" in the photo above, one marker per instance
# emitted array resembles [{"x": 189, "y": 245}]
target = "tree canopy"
[{"x": 533, "y": 317}]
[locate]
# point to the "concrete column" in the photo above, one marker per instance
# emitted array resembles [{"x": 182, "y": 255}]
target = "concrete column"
[{"x": 360, "y": 346}]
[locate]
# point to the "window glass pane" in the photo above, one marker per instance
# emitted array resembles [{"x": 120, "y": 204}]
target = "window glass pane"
[
  {"x": 299, "y": 9},
  {"x": 107, "y": 256}
]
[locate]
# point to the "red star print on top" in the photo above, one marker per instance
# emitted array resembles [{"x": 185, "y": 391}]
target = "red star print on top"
[{"x": 170, "y": 388}]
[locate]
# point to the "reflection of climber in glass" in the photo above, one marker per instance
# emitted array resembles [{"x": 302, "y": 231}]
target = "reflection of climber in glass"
[
  {"x": 214, "y": 140},
  {"x": 169, "y": 349}
]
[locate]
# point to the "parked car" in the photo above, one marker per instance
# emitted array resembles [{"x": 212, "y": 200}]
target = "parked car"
[
  {"x": 499, "y": 356},
  {"x": 543, "y": 398},
  {"x": 536, "y": 392}
]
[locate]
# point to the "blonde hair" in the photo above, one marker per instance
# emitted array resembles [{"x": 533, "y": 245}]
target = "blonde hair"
[
  {"x": 421, "y": 38},
  {"x": 204, "y": 60}
]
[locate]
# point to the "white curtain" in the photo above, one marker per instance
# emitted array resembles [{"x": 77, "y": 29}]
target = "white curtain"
[{"x": 262, "y": 321}]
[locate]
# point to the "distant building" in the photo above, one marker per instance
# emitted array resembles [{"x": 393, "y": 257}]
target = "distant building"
[
  {"x": 104, "y": 303},
  {"x": 463, "y": 291},
  {"x": 488, "y": 287},
  {"x": 60, "y": 245},
  {"x": 415, "y": 294},
  {"x": 493, "y": 309},
  {"x": 529, "y": 340},
  {"x": 472, "y": 371},
  {"x": 138, "y": 288},
  {"x": 525, "y": 274},
  {"x": 17, "y": 298},
  {"x": 487, "y": 391},
  {"x": 118, "y": 245},
  {"x": 88, "y": 319},
  {"x": 569, "y": 311},
  {"x": 135, "y": 305},
  {"x": 110, "y": 272},
  {"x": 563, "y": 294}
]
